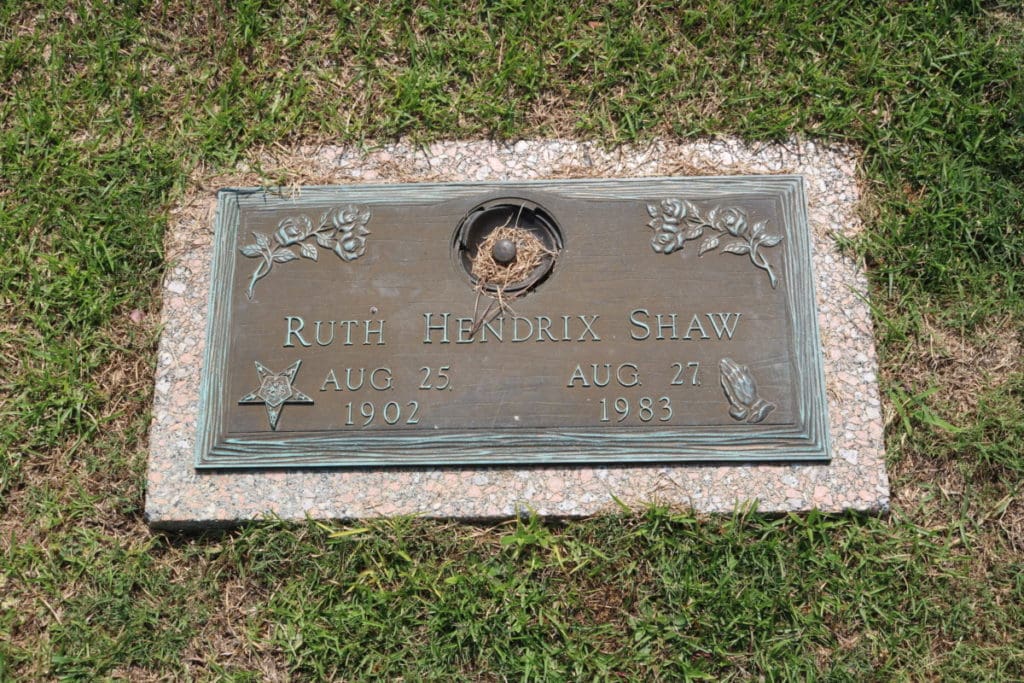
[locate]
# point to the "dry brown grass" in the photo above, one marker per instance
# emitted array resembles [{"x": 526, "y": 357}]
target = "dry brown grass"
[
  {"x": 965, "y": 366},
  {"x": 225, "y": 639}
]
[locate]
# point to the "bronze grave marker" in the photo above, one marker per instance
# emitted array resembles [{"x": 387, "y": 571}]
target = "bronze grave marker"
[{"x": 597, "y": 321}]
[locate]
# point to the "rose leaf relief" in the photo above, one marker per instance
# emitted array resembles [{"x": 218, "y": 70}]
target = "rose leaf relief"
[
  {"x": 340, "y": 229},
  {"x": 678, "y": 221}
]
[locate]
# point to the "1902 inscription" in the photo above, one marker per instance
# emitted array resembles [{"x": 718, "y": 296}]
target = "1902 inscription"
[{"x": 631, "y": 346}]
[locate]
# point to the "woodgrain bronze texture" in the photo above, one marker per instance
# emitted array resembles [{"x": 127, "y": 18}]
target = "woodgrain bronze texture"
[{"x": 676, "y": 322}]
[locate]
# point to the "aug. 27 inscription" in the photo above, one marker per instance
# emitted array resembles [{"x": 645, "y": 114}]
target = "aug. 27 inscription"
[{"x": 625, "y": 342}]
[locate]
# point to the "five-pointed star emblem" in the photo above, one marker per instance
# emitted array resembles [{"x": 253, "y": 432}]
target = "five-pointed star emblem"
[{"x": 275, "y": 390}]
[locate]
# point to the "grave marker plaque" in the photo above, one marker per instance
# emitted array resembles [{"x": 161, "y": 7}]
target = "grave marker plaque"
[{"x": 661, "y": 320}]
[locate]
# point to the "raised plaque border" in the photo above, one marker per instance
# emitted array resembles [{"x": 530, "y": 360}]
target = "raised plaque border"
[{"x": 807, "y": 441}]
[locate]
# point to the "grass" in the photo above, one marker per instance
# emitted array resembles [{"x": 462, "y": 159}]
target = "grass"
[{"x": 105, "y": 114}]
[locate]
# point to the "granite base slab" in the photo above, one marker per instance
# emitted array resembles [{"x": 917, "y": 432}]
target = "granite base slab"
[{"x": 178, "y": 496}]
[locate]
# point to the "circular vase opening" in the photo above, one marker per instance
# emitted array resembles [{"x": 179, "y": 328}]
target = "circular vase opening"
[{"x": 507, "y": 245}]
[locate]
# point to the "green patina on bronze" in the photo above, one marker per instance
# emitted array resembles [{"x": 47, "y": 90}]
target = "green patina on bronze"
[{"x": 672, "y": 321}]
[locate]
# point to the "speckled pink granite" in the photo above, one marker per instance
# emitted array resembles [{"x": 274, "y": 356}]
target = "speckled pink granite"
[{"x": 177, "y": 496}]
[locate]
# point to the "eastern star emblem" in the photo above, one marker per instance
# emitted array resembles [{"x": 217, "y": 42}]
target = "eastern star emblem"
[{"x": 275, "y": 390}]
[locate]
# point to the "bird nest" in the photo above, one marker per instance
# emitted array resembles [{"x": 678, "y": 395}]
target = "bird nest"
[{"x": 496, "y": 279}]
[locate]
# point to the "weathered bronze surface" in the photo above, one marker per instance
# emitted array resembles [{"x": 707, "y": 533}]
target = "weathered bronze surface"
[{"x": 674, "y": 322}]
